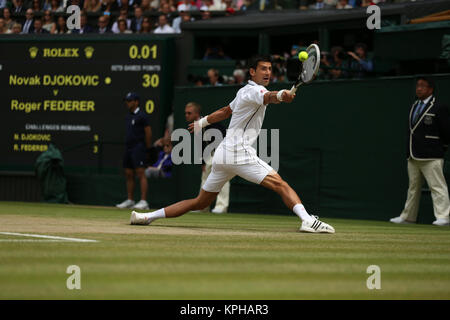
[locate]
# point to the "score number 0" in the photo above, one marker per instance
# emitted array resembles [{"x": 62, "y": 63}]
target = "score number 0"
[{"x": 150, "y": 106}]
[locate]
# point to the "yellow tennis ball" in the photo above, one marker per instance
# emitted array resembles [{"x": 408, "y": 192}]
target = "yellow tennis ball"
[{"x": 302, "y": 56}]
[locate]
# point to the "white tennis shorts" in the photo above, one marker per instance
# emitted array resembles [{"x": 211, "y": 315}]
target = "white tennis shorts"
[{"x": 253, "y": 170}]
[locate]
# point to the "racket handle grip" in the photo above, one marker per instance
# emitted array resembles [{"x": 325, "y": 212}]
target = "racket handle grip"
[{"x": 293, "y": 90}]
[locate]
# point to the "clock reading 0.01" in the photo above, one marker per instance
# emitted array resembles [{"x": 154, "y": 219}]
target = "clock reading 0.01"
[{"x": 143, "y": 52}]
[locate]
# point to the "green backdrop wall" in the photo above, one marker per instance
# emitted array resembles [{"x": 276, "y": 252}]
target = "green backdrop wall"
[{"x": 342, "y": 147}]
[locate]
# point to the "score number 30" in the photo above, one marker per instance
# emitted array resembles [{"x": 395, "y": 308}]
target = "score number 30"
[{"x": 150, "y": 80}]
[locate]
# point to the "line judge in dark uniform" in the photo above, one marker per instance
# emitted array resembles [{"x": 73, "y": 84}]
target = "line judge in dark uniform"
[
  {"x": 428, "y": 139},
  {"x": 138, "y": 142}
]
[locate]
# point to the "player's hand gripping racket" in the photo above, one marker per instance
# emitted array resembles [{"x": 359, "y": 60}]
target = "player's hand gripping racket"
[{"x": 310, "y": 67}]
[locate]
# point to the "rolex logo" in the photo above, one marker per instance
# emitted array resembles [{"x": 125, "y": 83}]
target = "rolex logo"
[
  {"x": 33, "y": 52},
  {"x": 88, "y": 51}
]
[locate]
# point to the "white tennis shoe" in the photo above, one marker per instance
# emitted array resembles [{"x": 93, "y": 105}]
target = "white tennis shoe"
[
  {"x": 126, "y": 204},
  {"x": 441, "y": 222},
  {"x": 316, "y": 226},
  {"x": 400, "y": 220},
  {"x": 139, "y": 218},
  {"x": 141, "y": 205}
]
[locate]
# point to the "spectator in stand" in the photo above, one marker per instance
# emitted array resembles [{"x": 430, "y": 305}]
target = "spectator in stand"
[
  {"x": 239, "y": 76},
  {"x": 163, "y": 26},
  {"x": 150, "y": 5},
  {"x": 84, "y": 26},
  {"x": 206, "y": 14},
  {"x": 207, "y": 4},
  {"x": 3, "y": 28},
  {"x": 213, "y": 76},
  {"x": 28, "y": 25},
  {"x": 343, "y": 4},
  {"x": 330, "y": 3},
  {"x": 184, "y": 16},
  {"x": 185, "y": 5},
  {"x": 239, "y": 4},
  {"x": 122, "y": 15},
  {"x": 166, "y": 9},
  {"x": 16, "y": 28},
  {"x": 338, "y": 66},
  {"x": 124, "y": 4},
  {"x": 37, "y": 5},
  {"x": 366, "y": 3},
  {"x": 229, "y": 4},
  {"x": 218, "y": 5},
  {"x": 146, "y": 25},
  {"x": 136, "y": 21},
  {"x": 45, "y": 5},
  {"x": 319, "y": 5},
  {"x": 199, "y": 81},
  {"x": 3, "y": 3},
  {"x": 6, "y": 14},
  {"x": 102, "y": 24},
  {"x": 56, "y": 6},
  {"x": 48, "y": 23},
  {"x": 246, "y": 4},
  {"x": 60, "y": 26},
  {"x": 360, "y": 65},
  {"x": 122, "y": 25},
  {"x": 171, "y": 7},
  {"x": 172, "y": 4},
  {"x": 162, "y": 168},
  {"x": 38, "y": 27},
  {"x": 92, "y": 6},
  {"x": 215, "y": 53},
  {"x": 18, "y": 6}
]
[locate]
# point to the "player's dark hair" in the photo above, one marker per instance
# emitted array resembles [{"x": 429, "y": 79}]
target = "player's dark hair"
[
  {"x": 428, "y": 80},
  {"x": 253, "y": 61}
]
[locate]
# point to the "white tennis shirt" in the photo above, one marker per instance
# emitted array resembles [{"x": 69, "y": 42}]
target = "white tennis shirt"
[{"x": 245, "y": 125}]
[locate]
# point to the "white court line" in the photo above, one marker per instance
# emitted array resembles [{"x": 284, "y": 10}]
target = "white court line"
[
  {"x": 29, "y": 240},
  {"x": 46, "y": 237}
]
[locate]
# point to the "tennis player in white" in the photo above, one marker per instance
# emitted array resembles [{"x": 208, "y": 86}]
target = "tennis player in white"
[{"x": 236, "y": 156}]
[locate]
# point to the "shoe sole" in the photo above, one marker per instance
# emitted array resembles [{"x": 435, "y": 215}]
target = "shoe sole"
[
  {"x": 311, "y": 230},
  {"x": 403, "y": 222},
  {"x": 133, "y": 217}
]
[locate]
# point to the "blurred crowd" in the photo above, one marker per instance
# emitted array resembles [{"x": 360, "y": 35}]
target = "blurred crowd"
[
  {"x": 337, "y": 63},
  {"x": 133, "y": 16}
]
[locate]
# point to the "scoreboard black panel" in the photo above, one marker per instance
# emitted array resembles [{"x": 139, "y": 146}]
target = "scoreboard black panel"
[{"x": 69, "y": 91}]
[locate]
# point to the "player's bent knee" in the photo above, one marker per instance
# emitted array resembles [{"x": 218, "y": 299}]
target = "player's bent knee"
[{"x": 280, "y": 185}]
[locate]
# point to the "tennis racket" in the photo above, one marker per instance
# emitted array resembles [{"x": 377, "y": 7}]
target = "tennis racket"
[{"x": 310, "y": 67}]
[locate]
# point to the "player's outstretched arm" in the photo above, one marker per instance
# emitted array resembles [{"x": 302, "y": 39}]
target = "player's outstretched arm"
[
  {"x": 278, "y": 97},
  {"x": 216, "y": 116}
]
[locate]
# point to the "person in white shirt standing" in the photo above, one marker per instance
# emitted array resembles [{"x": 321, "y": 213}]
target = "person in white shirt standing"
[
  {"x": 163, "y": 26},
  {"x": 235, "y": 154}
]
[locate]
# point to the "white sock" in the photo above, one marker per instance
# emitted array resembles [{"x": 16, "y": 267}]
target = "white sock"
[
  {"x": 300, "y": 211},
  {"x": 155, "y": 214}
]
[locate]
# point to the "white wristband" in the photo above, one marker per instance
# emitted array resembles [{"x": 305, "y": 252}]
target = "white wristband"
[
  {"x": 203, "y": 122},
  {"x": 280, "y": 95}
]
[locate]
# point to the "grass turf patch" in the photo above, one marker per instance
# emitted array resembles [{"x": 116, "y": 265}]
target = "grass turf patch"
[{"x": 208, "y": 256}]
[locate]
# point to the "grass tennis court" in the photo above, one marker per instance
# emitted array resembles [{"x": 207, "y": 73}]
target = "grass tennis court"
[{"x": 208, "y": 256}]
